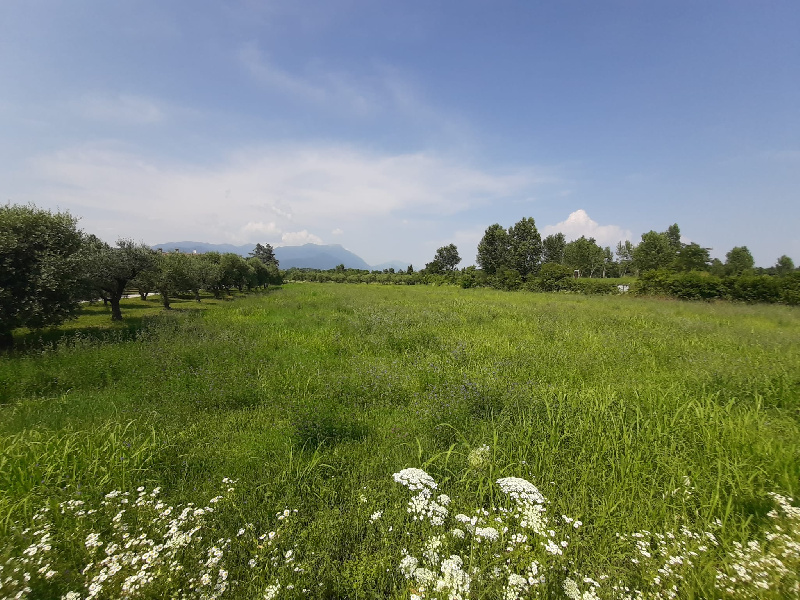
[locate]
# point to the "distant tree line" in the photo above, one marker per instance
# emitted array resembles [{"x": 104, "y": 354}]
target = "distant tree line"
[
  {"x": 519, "y": 258},
  {"x": 48, "y": 268}
]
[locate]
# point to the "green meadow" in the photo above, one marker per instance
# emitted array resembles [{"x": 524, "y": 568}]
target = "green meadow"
[{"x": 658, "y": 432}]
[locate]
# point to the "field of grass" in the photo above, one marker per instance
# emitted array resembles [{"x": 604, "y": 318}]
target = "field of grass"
[{"x": 661, "y": 426}]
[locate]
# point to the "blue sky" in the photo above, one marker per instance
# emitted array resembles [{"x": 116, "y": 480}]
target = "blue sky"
[{"x": 394, "y": 128}]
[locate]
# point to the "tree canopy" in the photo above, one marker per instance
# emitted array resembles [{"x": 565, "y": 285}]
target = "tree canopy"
[{"x": 40, "y": 268}]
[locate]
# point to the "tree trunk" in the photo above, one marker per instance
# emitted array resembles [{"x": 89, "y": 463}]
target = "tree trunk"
[
  {"x": 197, "y": 295},
  {"x": 165, "y": 299},
  {"x": 116, "y": 313},
  {"x": 6, "y": 340},
  {"x": 143, "y": 296}
]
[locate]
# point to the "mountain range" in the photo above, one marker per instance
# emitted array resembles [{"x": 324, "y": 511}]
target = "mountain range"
[{"x": 310, "y": 256}]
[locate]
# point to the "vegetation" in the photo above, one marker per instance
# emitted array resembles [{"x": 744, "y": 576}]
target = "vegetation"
[
  {"x": 39, "y": 268},
  {"x": 626, "y": 444}
]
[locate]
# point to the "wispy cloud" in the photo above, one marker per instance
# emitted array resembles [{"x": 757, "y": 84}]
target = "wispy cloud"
[
  {"x": 579, "y": 223},
  {"x": 119, "y": 108},
  {"x": 269, "y": 192},
  {"x": 320, "y": 87}
]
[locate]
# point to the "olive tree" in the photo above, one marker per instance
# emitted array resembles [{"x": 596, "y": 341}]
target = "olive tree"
[
  {"x": 39, "y": 268},
  {"x": 109, "y": 269}
]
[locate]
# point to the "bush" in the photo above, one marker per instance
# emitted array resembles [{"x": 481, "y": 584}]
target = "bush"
[
  {"x": 790, "y": 288},
  {"x": 595, "y": 286},
  {"x": 553, "y": 278}
]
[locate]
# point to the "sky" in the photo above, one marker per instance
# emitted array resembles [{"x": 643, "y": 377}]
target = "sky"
[{"x": 394, "y": 128}]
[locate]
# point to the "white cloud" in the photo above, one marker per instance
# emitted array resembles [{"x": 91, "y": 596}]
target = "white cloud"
[
  {"x": 337, "y": 231},
  {"x": 261, "y": 228},
  {"x": 261, "y": 194},
  {"x": 298, "y": 238},
  {"x": 120, "y": 108},
  {"x": 579, "y": 223},
  {"x": 319, "y": 87}
]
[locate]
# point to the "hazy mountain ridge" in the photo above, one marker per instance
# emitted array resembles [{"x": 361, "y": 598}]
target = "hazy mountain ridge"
[{"x": 309, "y": 256}]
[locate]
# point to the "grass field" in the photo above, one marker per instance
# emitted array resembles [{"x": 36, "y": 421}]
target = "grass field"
[{"x": 657, "y": 431}]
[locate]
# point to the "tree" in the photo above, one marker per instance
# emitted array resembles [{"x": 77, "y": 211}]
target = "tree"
[
  {"x": 446, "y": 258},
  {"x": 784, "y": 266},
  {"x": 39, "y": 268},
  {"x": 584, "y": 255},
  {"x": 738, "y": 261},
  {"x": 235, "y": 271},
  {"x": 263, "y": 274},
  {"x": 493, "y": 250},
  {"x": 692, "y": 257},
  {"x": 673, "y": 234},
  {"x": 265, "y": 254},
  {"x": 624, "y": 256},
  {"x": 110, "y": 269},
  {"x": 176, "y": 273},
  {"x": 653, "y": 252},
  {"x": 525, "y": 245},
  {"x": 553, "y": 248}
]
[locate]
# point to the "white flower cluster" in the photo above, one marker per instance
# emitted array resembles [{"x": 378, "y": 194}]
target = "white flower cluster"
[
  {"x": 415, "y": 479},
  {"x": 521, "y": 490},
  {"x": 497, "y": 544},
  {"x": 771, "y": 565},
  {"x": 136, "y": 546}
]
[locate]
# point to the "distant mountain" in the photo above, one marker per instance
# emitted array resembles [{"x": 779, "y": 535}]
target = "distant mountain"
[
  {"x": 316, "y": 256},
  {"x": 309, "y": 256}
]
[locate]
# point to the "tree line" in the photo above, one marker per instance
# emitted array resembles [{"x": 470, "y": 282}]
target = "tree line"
[{"x": 48, "y": 267}]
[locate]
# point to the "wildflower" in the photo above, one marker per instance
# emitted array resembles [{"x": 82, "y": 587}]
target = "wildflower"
[
  {"x": 521, "y": 490},
  {"x": 408, "y": 565},
  {"x": 415, "y": 479},
  {"x": 571, "y": 589},
  {"x": 490, "y": 533},
  {"x": 479, "y": 457},
  {"x": 375, "y": 516},
  {"x": 272, "y": 591}
]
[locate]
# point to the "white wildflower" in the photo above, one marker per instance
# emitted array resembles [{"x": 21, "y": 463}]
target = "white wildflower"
[
  {"x": 415, "y": 479},
  {"x": 521, "y": 489}
]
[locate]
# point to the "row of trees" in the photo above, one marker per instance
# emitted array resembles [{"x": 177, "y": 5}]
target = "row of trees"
[
  {"x": 48, "y": 267},
  {"x": 520, "y": 252}
]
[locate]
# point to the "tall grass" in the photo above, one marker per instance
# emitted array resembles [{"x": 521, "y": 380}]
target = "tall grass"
[{"x": 313, "y": 396}]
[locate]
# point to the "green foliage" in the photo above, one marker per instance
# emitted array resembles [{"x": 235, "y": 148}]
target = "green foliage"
[
  {"x": 653, "y": 252},
  {"x": 525, "y": 247},
  {"x": 109, "y": 270},
  {"x": 784, "y": 266},
  {"x": 266, "y": 255},
  {"x": 738, "y": 261},
  {"x": 553, "y": 248},
  {"x": 446, "y": 259},
  {"x": 493, "y": 250},
  {"x": 692, "y": 257},
  {"x": 39, "y": 268},
  {"x": 584, "y": 255},
  {"x": 554, "y": 278},
  {"x": 624, "y": 253}
]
